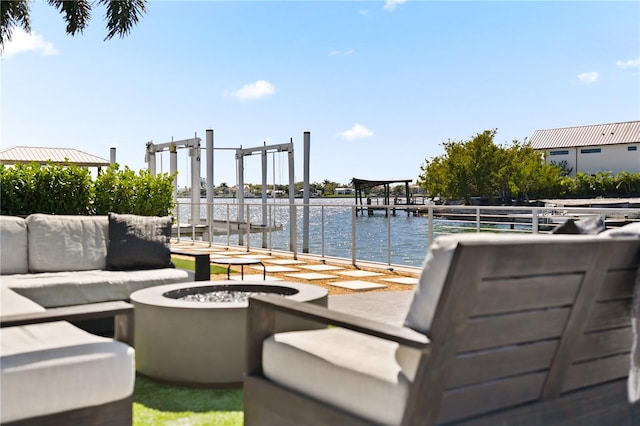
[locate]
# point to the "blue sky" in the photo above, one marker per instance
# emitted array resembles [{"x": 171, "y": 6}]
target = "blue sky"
[{"x": 380, "y": 85}]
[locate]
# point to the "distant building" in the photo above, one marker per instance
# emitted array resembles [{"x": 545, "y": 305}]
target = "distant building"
[
  {"x": 590, "y": 149},
  {"x": 344, "y": 191}
]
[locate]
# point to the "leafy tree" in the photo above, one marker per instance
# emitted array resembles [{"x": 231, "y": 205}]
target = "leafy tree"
[
  {"x": 121, "y": 16},
  {"x": 329, "y": 187},
  {"x": 69, "y": 189},
  {"x": 398, "y": 190},
  {"x": 467, "y": 169},
  {"x": 16, "y": 188},
  {"x": 316, "y": 187},
  {"x": 627, "y": 183},
  {"x": 531, "y": 175},
  {"x": 124, "y": 191},
  {"x": 223, "y": 189},
  {"x": 114, "y": 191},
  {"x": 31, "y": 188},
  {"x": 565, "y": 170},
  {"x": 480, "y": 168}
]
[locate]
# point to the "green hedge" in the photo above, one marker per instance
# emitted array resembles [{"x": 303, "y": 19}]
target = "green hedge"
[
  {"x": 622, "y": 184},
  {"x": 69, "y": 189}
]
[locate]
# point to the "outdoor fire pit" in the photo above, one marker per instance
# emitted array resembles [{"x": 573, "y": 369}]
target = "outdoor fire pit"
[{"x": 194, "y": 333}]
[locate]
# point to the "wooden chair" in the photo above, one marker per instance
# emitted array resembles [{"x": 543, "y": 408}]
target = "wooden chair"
[{"x": 532, "y": 332}]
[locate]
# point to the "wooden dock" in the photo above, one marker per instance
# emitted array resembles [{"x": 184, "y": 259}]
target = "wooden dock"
[{"x": 221, "y": 227}]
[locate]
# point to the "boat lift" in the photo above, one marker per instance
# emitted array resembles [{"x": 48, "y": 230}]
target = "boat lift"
[
  {"x": 193, "y": 145},
  {"x": 264, "y": 150}
]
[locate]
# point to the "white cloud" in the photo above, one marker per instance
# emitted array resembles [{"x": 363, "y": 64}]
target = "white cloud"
[
  {"x": 342, "y": 52},
  {"x": 629, "y": 63},
  {"x": 22, "y": 41},
  {"x": 589, "y": 77},
  {"x": 391, "y": 4},
  {"x": 358, "y": 131},
  {"x": 259, "y": 89}
]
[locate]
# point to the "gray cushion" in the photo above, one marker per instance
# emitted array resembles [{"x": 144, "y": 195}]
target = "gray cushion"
[
  {"x": 591, "y": 225},
  {"x": 55, "y": 367},
  {"x": 66, "y": 242},
  {"x": 51, "y": 289},
  {"x": 14, "y": 256},
  {"x": 11, "y": 303},
  {"x": 629, "y": 230},
  {"x": 138, "y": 242},
  {"x": 348, "y": 370}
]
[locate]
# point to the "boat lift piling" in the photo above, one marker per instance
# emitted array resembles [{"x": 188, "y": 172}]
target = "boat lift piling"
[{"x": 193, "y": 145}]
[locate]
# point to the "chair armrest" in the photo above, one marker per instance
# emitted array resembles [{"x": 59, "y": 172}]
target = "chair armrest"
[
  {"x": 122, "y": 313},
  {"x": 261, "y": 324},
  {"x": 203, "y": 270}
]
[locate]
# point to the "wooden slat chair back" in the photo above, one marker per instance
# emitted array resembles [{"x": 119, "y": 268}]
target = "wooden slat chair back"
[
  {"x": 527, "y": 333},
  {"x": 522, "y": 327}
]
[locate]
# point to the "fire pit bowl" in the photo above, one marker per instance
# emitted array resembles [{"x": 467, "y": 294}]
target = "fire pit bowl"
[{"x": 194, "y": 333}]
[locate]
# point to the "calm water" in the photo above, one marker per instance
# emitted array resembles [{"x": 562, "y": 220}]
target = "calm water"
[{"x": 399, "y": 239}]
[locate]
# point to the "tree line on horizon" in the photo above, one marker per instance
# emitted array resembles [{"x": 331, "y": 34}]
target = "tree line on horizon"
[
  {"x": 515, "y": 173},
  {"x": 325, "y": 188}
]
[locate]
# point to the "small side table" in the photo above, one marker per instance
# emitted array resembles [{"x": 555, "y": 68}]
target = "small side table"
[{"x": 240, "y": 261}]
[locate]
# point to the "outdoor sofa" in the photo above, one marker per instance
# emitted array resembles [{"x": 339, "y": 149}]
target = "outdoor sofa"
[
  {"x": 502, "y": 329},
  {"x": 55, "y": 268},
  {"x": 62, "y": 260}
]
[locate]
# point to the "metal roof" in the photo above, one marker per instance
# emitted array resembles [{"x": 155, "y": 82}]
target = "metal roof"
[
  {"x": 367, "y": 184},
  {"x": 32, "y": 154},
  {"x": 598, "y": 134}
]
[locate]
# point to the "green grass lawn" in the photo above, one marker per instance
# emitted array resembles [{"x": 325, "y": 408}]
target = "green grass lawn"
[
  {"x": 162, "y": 404},
  {"x": 189, "y": 265}
]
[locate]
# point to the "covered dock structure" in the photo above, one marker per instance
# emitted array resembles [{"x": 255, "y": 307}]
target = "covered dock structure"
[
  {"x": 364, "y": 186},
  {"x": 47, "y": 155}
]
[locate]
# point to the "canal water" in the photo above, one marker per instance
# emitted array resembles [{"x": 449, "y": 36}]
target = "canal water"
[{"x": 395, "y": 239}]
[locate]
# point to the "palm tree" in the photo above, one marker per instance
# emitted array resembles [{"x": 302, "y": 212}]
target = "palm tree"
[{"x": 121, "y": 16}]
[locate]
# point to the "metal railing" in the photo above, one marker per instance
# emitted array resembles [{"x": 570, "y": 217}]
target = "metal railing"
[{"x": 384, "y": 234}]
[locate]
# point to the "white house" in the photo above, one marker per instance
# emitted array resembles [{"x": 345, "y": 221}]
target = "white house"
[
  {"x": 589, "y": 149},
  {"x": 344, "y": 191}
]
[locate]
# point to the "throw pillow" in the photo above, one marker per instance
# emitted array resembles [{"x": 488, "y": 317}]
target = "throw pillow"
[
  {"x": 138, "y": 242},
  {"x": 591, "y": 225}
]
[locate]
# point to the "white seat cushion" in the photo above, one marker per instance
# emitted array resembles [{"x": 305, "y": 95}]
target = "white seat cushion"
[
  {"x": 56, "y": 367},
  {"x": 345, "y": 369},
  {"x": 67, "y": 243},
  {"x": 53, "y": 289},
  {"x": 14, "y": 256},
  {"x": 11, "y": 303},
  {"x": 629, "y": 230}
]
